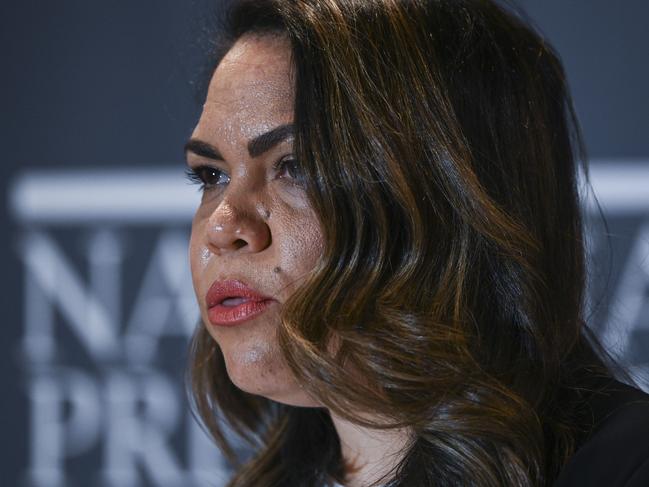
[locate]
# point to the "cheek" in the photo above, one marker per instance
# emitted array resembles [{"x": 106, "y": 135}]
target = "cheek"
[
  {"x": 195, "y": 250},
  {"x": 301, "y": 245},
  {"x": 198, "y": 254}
]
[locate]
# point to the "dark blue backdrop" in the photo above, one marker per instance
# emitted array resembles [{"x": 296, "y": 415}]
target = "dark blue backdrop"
[{"x": 97, "y": 101}]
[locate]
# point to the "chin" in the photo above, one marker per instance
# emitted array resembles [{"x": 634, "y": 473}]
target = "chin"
[{"x": 270, "y": 380}]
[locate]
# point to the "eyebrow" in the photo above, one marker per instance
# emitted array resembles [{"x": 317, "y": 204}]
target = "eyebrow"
[
  {"x": 270, "y": 139},
  {"x": 202, "y": 149},
  {"x": 256, "y": 147}
]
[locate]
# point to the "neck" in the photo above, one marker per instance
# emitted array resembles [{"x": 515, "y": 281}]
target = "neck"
[{"x": 373, "y": 453}]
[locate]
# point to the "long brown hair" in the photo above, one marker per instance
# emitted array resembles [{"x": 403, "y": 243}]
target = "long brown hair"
[{"x": 440, "y": 149}]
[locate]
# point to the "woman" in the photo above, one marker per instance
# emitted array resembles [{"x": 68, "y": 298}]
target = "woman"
[{"x": 388, "y": 255}]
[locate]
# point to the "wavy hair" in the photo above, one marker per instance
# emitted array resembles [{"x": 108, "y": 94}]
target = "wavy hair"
[{"x": 441, "y": 152}]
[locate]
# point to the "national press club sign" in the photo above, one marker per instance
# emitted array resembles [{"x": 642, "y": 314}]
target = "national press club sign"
[{"x": 108, "y": 309}]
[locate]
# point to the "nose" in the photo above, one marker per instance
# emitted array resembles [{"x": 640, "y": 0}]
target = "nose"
[{"x": 234, "y": 229}]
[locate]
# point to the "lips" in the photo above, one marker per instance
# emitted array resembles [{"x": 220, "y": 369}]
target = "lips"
[{"x": 232, "y": 302}]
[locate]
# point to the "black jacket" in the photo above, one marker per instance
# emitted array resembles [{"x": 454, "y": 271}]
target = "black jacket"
[{"x": 614, "y": 452}]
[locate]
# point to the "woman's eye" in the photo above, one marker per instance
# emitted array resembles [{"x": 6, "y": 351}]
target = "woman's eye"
[
  {"x": 289, "y": 167},
  {"x": 207, "y": 177}
]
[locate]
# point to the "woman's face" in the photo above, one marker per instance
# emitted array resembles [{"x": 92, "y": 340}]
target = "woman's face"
[{"x": 254, "y": 223}]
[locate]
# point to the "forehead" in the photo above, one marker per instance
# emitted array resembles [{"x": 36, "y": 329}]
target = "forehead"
[{"x": 252, "y": 88}]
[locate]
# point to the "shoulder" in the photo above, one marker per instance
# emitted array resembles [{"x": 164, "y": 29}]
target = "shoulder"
[{"x": 615, "y": 452}]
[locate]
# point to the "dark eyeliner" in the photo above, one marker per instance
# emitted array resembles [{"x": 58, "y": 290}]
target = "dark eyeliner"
[
  {"x": 193, "y": 177},
  {"x": 202, "y": 175}
]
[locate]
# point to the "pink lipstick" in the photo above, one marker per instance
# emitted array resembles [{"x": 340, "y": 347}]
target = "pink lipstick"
[{"x": 231, "y": 302}]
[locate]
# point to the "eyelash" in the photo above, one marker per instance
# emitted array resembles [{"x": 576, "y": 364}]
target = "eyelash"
[{"x": 197, "y": 175}]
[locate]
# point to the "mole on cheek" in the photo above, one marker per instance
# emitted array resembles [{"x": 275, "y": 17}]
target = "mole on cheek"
[{"x": 269, "y": 372}]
